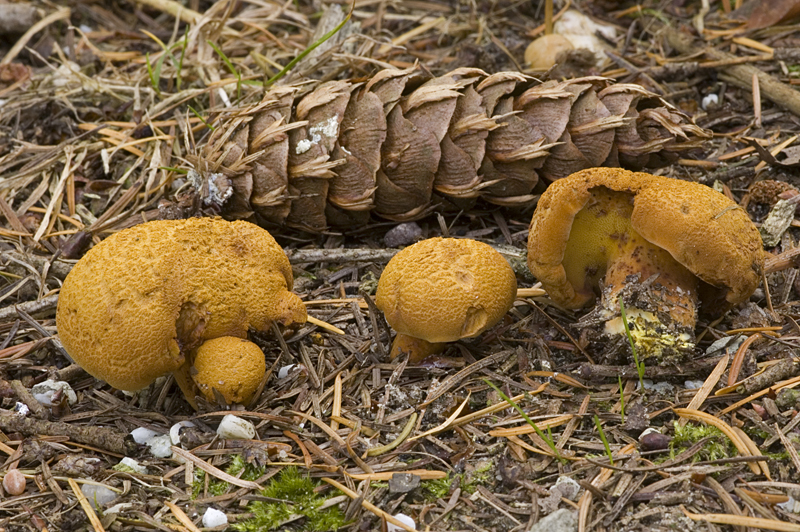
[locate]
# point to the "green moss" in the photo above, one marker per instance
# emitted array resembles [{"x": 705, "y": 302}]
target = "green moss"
[
  {"x": 718, "y": 445},
  {"x": 220, "y": 487},
  {"x": 296, "y": 491},
  {"x": 437, "y": 488}
]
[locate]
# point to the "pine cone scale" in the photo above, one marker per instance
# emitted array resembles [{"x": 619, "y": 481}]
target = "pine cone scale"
[{"x": 389, "y": 144}]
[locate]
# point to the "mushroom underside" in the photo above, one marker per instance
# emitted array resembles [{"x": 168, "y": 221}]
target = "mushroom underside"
[{"x": 607, "y": 259}]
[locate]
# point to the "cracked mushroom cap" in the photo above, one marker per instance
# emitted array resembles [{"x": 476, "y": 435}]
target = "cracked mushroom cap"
[
  {"x": 701, "y": 229},
  {"x": 137, "y": 303},
  {"x": 445, "y": 289},
  {"x": 232, "y": 366}
]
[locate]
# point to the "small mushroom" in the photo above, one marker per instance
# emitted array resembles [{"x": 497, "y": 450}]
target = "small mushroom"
[
  {"x": 232, "y": 366},
  {"x": 666, "y": 246},
  {"x": 543, "y": 53},
  {"x": 138, "y": 304},
  {"x": 441, "y": 290}
]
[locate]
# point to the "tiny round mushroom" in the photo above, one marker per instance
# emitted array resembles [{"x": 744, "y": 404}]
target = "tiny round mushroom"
[
  {"x": 138, "y": 304},
  {"x": 14, "y": 482},
  {"x": 230, "y": 365},
  {"x": 544, "y": 52},
  {"x": 665, "y": 245},
  {"x": 441, "y": 290}
]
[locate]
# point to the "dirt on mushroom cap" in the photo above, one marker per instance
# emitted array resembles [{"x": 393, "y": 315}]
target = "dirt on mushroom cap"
[
  {"x": 444, "y": 289},
  {"x": 701, "y": 228},
  {"x": 138, "y": 301}
]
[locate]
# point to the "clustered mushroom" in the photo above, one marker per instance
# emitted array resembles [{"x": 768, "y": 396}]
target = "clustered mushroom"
[
  {"x": 665, "y": 245},
  {"x": 180, "y": 296},
  {"x": 141, "y": 303},
  {"x": 441, "y": 290}
]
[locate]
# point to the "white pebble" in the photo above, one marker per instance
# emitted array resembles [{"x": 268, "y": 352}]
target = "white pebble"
[
  {"x": 98, "y": 496},
  {"x": 21, "y": 409},
  {"x": 214, "y": 518},
  {"x": 693, "y": 385},
  {"x": 133, "y": 464},
  {"x": 44, "y": 391},
  {"x": 403, "y": 518},
  {"x": 175, "y": 431},
  {"x": 709, "y": 100},
  {"x": 235, "y": 428},
  {"x": 143, "y": 435},
  {"x": 284, "y": 371},
  {"x": 160, "y": 444}
]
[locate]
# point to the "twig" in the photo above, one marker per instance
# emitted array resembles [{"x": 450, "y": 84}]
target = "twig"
[
  {"x": 102, "y": 437},
  {"x": 25, "y": 395},
  {"x": 173, "y": 8},
  {"x": 29, "y": 307},
  {"x": 740, "y": 75}
]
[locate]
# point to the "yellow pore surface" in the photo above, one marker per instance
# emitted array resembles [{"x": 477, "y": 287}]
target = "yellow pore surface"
[
  {"x": 603, "y": 245},
  {"x": 136, "y": 303},
  {"x": 233, "y": 366},
  {"x": 444, "y": 289}
]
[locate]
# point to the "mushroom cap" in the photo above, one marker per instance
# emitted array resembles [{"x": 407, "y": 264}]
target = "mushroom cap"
[
  {"x": 542, "y": 53},
  {"x": 702, "y": 229},
  {"x": 233, "y": 366},
  {"x": 138, "y": 302},
  {"x": 444, "y": 289}
]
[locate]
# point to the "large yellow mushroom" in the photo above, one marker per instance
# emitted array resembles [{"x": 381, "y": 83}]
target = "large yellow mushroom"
[
  {"x": 441, "y": 290},
  {"x": 139, "y": 304},
  {"x": 668, "y": 247}
]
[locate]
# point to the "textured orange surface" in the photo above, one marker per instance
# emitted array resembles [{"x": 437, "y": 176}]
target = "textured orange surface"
[
  {"x": 233, "y": 366},
  {"x": 702, "y": 229},
  {"x": 444, "y": 289},
  {"x": 138, "y": 302}
]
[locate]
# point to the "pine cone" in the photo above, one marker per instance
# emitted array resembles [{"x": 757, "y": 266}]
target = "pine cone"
[{"x": 399, "y": 144}]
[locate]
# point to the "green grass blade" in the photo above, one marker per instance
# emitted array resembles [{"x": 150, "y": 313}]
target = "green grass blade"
[
  {"x": 539, "y": 432},
  {"x": 310, "y": 49}
]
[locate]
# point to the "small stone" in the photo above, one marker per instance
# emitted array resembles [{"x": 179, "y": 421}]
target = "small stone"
[
  {"x": 403, "y": 235},
  {"x": 44, "y": 392},
  {"x": 709, "y": 100},
  {"x": 284, "y": 371},
  {"x": 176, "y": 430},
  {"x": 235, "y": 428},
  {"x": 21, "y": 409},
  {"x": 98, "y": 496},
  {"x": 142, "y": 435},
  {"x": 160, "y": 444},
  {"x": 652, "y": 440},
  {"x": 403, "y": 518},
  {"x": 14, "y": 482},
  {"x": 403, "y": 482},
  {"x": 568, "y": 487},
  {"x": 562, "y": 520},
  {"x": 130, "y": 465},
  {"x": 214, "y": 518}
]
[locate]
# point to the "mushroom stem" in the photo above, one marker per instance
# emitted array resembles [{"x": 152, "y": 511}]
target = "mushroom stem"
[
  {"x": 183, "y": 378},
  {"x": 660, "y": 294},
  {"x": 416, "y": 348}
]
